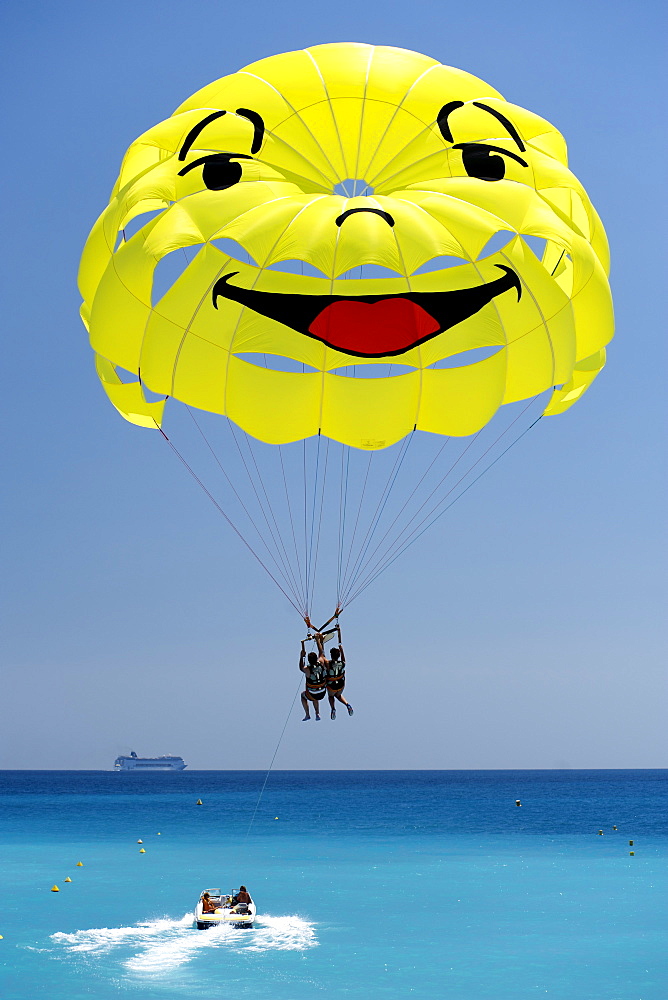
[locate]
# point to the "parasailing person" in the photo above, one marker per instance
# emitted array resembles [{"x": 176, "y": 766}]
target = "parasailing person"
[{"x": 336, "y": 676}]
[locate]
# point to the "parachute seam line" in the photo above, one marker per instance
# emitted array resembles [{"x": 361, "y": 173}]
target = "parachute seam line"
[
  {"x": 234, "y": 490},
  {"x": 413, "y": 536},
  {"x": 261, "y": 270},
  {"x": 398, "y": 107},
  {"x": 379, "y": 510},
  {"x": 540, "y": 313},
  {"x": 283, "y": 570},
  {"x": 317, "y": 542},
  {"x": 271, "y": 764},
  {"x": 297, "y": 114},
  {"x": 432, "y": 219},
  {"x": 292, "y": 527},
  {"x": 458, "y": 497},
  {"x": 249, "y": 446},
  {"x": 229, "y": 521},
  {"x": 423, "y": 131},
  {"x": 357, "y": 518},
  {"x": 447, "y": 441},
  {"x": 361, "y": 128},
  {"x": 447, "y": 150},
  {"x": 331, "y": 109}
]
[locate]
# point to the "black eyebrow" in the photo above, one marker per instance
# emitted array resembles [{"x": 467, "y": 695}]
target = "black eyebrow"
[
  {"x": 442, "y": 118},
  {"x": 194, "y": 132},
  {"x": 512, "y": 131},
  {"x": 447, "y": 109},
  {"x": 258, "y": 126}
]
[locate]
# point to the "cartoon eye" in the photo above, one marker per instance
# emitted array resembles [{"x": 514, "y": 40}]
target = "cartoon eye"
[
  {"x": 480, "y": 162},
  {"x": 219, "y": 171}
]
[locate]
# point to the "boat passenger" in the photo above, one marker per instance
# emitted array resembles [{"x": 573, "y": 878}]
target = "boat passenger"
[
  {"x": 315, "y": 687},
  {"x": 336, "y": 677},
  {"x": 243, "y": 896},
  {"x": 208, "y": 905}
]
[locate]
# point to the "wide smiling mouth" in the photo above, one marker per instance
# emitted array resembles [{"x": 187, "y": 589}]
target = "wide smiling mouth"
[{"x": 370, "y": 326}]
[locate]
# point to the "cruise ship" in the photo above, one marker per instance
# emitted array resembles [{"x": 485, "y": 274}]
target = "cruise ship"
[{"x": 134, "y": 763}]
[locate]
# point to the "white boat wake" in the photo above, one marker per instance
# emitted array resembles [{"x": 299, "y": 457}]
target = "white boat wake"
[{"x": 164, "y": 944}]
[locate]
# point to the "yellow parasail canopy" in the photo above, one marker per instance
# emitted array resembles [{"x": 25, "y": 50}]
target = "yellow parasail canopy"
[{"x": 343, "y": 157}]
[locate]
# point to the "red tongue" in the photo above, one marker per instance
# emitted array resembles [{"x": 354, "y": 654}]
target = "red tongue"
[{"x": 377, "y": 328}]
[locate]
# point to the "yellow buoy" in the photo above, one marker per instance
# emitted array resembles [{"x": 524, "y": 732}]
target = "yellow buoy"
[
  {"x": 275, "y": 817},
  {"x": 140, "y": 841},
  {"x": 1, "y": 937},
  {"x": 142, "y": 851},
  {"x": 158, "y": 834},
  {"x": 68, "y": 879},
  {"x": 54, "y": 888},
  {"x": 199, "y": 802},
  {"x": 79, "y": 864}
]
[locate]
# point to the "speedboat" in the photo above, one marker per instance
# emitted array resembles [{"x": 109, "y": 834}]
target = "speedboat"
[{"x": 226, "y": 911}]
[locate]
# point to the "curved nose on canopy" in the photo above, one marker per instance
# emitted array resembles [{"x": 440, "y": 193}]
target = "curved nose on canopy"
[{"x": 375, "y": 211}]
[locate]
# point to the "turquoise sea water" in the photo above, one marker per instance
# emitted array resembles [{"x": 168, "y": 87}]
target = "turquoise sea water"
[{"x": 368, "y": 884}]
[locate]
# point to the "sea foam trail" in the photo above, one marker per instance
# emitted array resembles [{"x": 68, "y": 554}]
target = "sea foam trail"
[{"x": 165, "y": 944}]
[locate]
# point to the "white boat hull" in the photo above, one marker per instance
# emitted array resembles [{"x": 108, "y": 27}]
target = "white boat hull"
[{"x": 224, "y": 915}]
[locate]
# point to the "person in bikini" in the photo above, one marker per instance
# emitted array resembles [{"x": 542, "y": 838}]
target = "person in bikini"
[
  {"x": 336, "y": 677},
  {"x": 315, "y": 689}
]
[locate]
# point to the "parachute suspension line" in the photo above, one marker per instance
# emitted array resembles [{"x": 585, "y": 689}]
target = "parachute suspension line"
[
  {"x": 279, "y": 533},
  {"x": 398, "y": 543},
  {"x": 417, "y": 533},
  {"x": 375, "y": 520},
  {"x": 410, "y": 497},
  {"x": 292, "y": 528},
  {"x": 343, "y": 499},
  {"x": 284, "y": 572},
  {"x": 228, "y": 519},
  {"x": 234, "y": 489},
  {"x": 305, "y": 531},
  {"x": 317, "y": 540},
  {"x": 309, "y": 549},
  {"x": 266, "y": 777},
  {"x": 369, "y": 566},
  {"x": 357, "y": 518}
]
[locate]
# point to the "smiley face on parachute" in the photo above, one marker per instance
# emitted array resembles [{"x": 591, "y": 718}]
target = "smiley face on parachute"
[{"x": 341, "y": 157}]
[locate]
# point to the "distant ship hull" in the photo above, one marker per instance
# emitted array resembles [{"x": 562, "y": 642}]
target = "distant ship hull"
[{"x": 135, "y": 763}]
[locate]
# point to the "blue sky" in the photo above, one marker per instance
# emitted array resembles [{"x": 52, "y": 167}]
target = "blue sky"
[{"x": 524, "y": 631}]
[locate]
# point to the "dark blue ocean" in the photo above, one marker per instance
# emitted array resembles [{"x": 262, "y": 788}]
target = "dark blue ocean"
[{"x": 374, "y": 884}]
